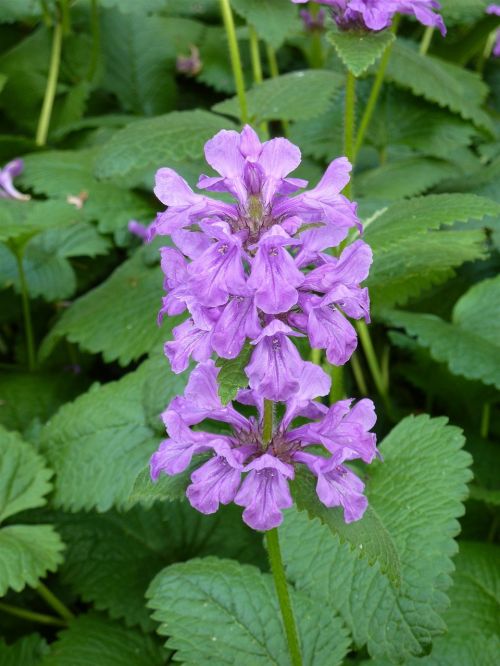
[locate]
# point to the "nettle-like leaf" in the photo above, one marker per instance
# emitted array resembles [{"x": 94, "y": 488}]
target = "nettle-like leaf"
[
  {"x": 97, "y": 443},
  {"x": 70, "y": 173},
  {"x": 232, "y": 375},
  {"x": 154, "y": 142},
  {"x": 407, "y": 177},
  {"x": 273, "y": 20},
  {"x": 439, "y": 81},
  {"x": 117, "y": 318},
  {"x": 367, "y": 537},
  {"x": 486, "y": 484},
  {"x": 112, "y": 557},
  {"x": 94, "y": 639},
  {"x": 417, "y": 492},
  {"x": 468, "y": 346},
  {"x": 222, "y": 612},
  {"x": 20, "y": 220},
  {"x": 48, "y": 272},
  {"x": 166, "y": 489},
  {"x": 27, "y": 651},
  {"x": 294, "y": 96},
  {"x": 417, "y": 216},
  {"x": 216, "y": 71},
  {"x": 27, "y": 552},
  {"x": 359, "y": 50},
  {"x": 423, "y": 261}
]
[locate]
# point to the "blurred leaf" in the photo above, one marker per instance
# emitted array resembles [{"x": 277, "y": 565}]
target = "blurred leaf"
[
  {"x": 27, "y": 552},
  {"x": 94, "y": 639},
  {"x": 27, "y": 651},
  {"x": 273, "y": 20},
  {"x": 417, "y": 492},
  {"x": 216, "y": 70},
  {"x": 230, "y": 615},
  {"x": 467, "y": 345},
  {"x": 359, "y": 50},
  {"x": 232, "y": 375},
  {"x": 293, "y": 96},
  {"x": 155, "y": 142},
  {"x": 97, "y": 444},
  {"x": 19, "y": 220}
]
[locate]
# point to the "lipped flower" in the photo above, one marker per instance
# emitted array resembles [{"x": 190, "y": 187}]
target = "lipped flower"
[
  {"x": 7, "y": 175},
  {"x": 239, "y": 466},
  {"x": 255, "y": 267},
  {"x": 495, "y": 10},
  {"x": 377, "y": 15}
]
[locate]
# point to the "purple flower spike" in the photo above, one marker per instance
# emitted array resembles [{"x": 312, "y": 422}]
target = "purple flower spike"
[
  {"x": 7, "y": 175},
  {"x": 265, "y": 492},
  {"x": 495, "y": 10}
]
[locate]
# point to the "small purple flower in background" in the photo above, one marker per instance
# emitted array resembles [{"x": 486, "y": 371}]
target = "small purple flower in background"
[
  {"x": 255, "y": 269},
  {"x": 378, "y": 14},
  {"x": 495, "y": 10},
  {"x": 255, "y": 474},
  {"x": 7, "y": 175},
  {"x": 189, "y": 65},
  {"x": 138, "y": 229},
  {"x": 311, "y": 22}
]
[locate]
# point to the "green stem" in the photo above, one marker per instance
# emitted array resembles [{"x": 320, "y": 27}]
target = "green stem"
[
  {"x": 316, "y": 57},
  {"x": 349, "y": 123},
  {"x": 485, "y": 420},
  {"x": 234, "y": 54},
  {"x": 257, "y": 68},
  {"x": 316, "y": 355},
  {"x": 374, "y": 93},
  {"x": 55, "y": 603},
  {"x": 359, "y": 376},
  {"x": 41, "y": 618},
  {"x": 274, "y": 552},
  {"x": 274, "y": 72},
  {"x": 65, "y": 17},
  {"x": 28, "y": 324},
  {"x": 267, "y": 426},
  {"x": 371, "y": 358},
  {"x": 96, "y": 39},
  {"x": 488, "y": 48},
  {"x": 426, "y": 40},
  {"x": 337, "y": 392},
  {"x": 50, "y": 90}
]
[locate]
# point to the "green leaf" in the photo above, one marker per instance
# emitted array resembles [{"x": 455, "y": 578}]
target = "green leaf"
[
  {"x": 232, "y": 375},
  {"x": 27, "y": 552},
  {"x": 359, "y": 50},
  {"x": 112, "y": 557},
  {"x": 166, "y": 489},
  {"x": 117, "y": 318},
  {"x": 419, "y": 263},
  {"x": 367, "y": 537},
  {"x": 473, "y": 617},
  {"x": 417, "y": 492},
  {"x": 219, "y": 611},
  {"x": 439, "y": 81},
  {"x": 294, "y": 96},
  {"x": 70, "y": 173},
  {"x": 93, "y": 639},
  {"x": 273, "y": 20},
  {"x": 17, "y": 10},
  {"x": 131, "y": 6},
  {"x": 19, "y": 220},
  {"x": 27, "y": 651},
  {"x": 466, "y": 345},
  {"x": 138, "y": 61},
  {"x": 154, "y": 142},
  {"x": 98, "y": 443},
  {"x": 417, "y": 216},
  {"x": 216, "y": 70}
]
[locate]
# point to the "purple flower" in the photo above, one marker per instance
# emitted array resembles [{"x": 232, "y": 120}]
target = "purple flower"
[
  {"x": 7, "y": 175},
  {"x": 313, "y": 23},
  {"x": 256, "y": 474},
  {"x": 495, "y": 10},
  {"x": 138, "y": 229},
  {"x": 189, "y": 65},
  {"x": 241, "y": 262}
]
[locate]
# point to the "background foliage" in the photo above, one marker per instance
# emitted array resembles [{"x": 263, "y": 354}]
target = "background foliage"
[{"x": 148, "y": 580}]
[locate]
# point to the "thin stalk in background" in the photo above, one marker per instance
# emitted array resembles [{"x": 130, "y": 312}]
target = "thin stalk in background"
[
  {"x": 337, "y": 392},
  {"x": 359, "y": 376},
  {"x": 349, "y": 123},
  {"x": 96, "y": 39},
  {"x": 31, "y": 616},
  {"x": 274, "y": 72},
  {"x": 485, "y": 420},
  {"x": 426, "y": 40},
  {"x": 55, "y": 603},
  {"x": 487, "y": 51},
  {"x": 28, "y": 322},
  {"x": 276, "y": 561},
  {"x": 317, "y": 56},
  {"x": 371, "y": 359},
  {"x": 234, "y": 54},
  {"x": 257, "y": 68},
  {"x": 50, "y": 89},
  {"x": 374, "y": 93}
]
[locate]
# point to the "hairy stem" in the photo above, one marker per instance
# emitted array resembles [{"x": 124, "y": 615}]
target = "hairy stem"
[
  {"x": 234, "y": 55},
  {"x": 28, "y": 323},
  {"x": 55, "y": 603},
  {"x": 371, "y": 358},
  {"x": 374, "y": 93},
  {"x": 349, "y": 123},
  {"x": 50, "y": 90},
  {"x": 278, "y": 571},
  {"x": 31, "y": 616},
  {"x": 257, "y": 68}
]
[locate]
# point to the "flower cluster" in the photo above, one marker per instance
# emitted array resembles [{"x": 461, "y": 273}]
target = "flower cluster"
[
  {"x": 254, "y": 474},
  {"x": 378, "y": 14},
  {"x": 495, "y": 10},
  {"x": 7, "y": 175},
  {"x": 255, "y": 269}
]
